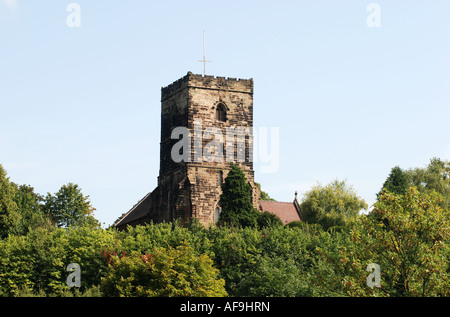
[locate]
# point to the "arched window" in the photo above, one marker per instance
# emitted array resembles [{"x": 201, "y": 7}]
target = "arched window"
[
  {"x": 174, "y": 115},
  {"x": 221, "y": 113},
  {"x": 216, "y": 214},
  {"x": 220, "y": 177}
]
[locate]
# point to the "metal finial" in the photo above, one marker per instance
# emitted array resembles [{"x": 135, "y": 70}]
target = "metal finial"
[{"x": 204, "y": 60}]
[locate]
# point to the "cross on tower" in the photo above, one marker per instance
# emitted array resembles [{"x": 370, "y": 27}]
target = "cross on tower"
[{"x": 204, "y": 61}]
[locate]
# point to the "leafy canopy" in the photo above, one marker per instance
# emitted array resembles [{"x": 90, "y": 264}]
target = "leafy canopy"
[
  {"x": 332, "y": 205},
  {"x": 397, "y": 182},
  {"x": 434, "y": 177},
  {"x": 163, "y": 272},
  {"x": 236, "y": 200},
  {"x": 410, "y": 245},
  {"x": 69, "y": 207},
  {"x": 10, "y": 217}
]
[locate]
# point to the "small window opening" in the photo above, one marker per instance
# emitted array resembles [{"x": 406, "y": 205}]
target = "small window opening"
[
  {"x": 217, "y": 214},
  {"x": 221, "y": 113},
  {"x": 220, "y": 177}
]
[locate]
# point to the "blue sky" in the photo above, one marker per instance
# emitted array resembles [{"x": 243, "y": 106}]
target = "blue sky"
[{"x": 351, "y": 101}]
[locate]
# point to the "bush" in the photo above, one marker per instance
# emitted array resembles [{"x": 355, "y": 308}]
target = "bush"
[
  {"x": 268, "y": 219},
  {"x": 332, "y": 205},
  {"x": 274, "y": 277},
  {"x": 163, "y": 272},
  {"x": 407, "y": 235},
  {"x": 236, "y": 201}
]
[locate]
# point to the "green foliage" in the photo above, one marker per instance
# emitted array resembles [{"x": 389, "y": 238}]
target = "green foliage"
[
  {"x": 15, "y": 268},
  {"x": 93, "y": 291},
  {"x": 236, "y": 200},
  {"x": 268, "y": 219},
  {"x": 294, "y": 224},
  {"x": 30, "y": 208},
  {"x": 434, "y": 177},
  {"x": 274, "y": 277},
  {"x": 406, "y": 234},
  {"x": 410, "y": 244},
  {"x": 10, "y": 217},
  {"x": 264, "y": 195},
  {"x": 235, "y": 251},
  {"x": 302, "y": 260},
  {"x": 87, "y": 246},
  {"x": 397, "y": 182},
  {"x": 244, "y": 255},
  {"x": 36, "y": 262},
  {"x": 163, "y": 272},
  {"x": 69, "y": 207},
  {"x": 332, "y": 205}
]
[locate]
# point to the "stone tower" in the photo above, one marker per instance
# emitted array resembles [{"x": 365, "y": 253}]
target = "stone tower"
[
  {"x": 217, "y": 116},
  {"x": 206, "y": 123}
]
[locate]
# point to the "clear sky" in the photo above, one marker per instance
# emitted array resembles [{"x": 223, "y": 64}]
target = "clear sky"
[{"x": 351, "y": 101}]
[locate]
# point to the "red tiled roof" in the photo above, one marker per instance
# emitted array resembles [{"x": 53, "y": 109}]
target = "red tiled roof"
[{"x": 285, "y": 211}]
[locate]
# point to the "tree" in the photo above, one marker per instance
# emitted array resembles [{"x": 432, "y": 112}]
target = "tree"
[
  {"x": 396, "y": 183},
  {"x": 30, "y": 205},
  {"x": 69, "y": 207},
  {"x": 9, "y": 212},
  {"x": 268, "y": 219},
  {"x": 332, "y": 205},
  {"x": 434, "y": 177},
  {"x": 264, "y": 195},
  {"x": 274, "y": 277},
  {"x": 163, "y": 272},
  {"x": 410, "y": 247},
  {"x": 236, "y": 200}
]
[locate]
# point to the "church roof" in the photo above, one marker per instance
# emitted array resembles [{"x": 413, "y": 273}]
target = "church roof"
[
  {"x": 287, "y": 212},
  {"x": 140, "y": 210}
]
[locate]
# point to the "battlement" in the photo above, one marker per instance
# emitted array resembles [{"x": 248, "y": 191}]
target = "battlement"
[{"x": 208, "y": 82}]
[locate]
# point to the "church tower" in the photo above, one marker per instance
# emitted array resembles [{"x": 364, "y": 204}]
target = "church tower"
[{"x": 206, "y": 124}]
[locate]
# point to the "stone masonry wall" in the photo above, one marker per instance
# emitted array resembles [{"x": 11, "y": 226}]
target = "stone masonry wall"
[{"x": 192, "y": 189}]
